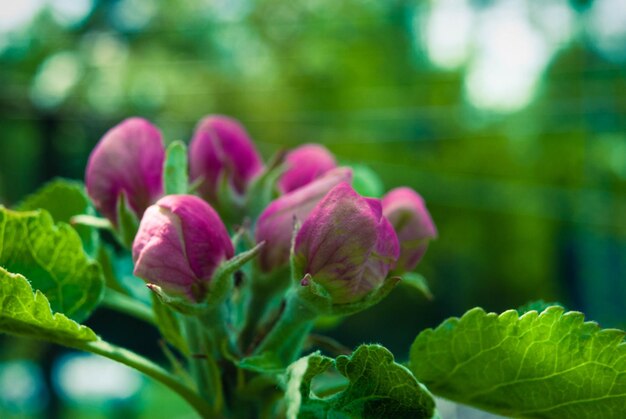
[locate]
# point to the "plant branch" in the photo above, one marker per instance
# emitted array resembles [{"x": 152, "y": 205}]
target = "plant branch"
[
  {"x": 287, "y": 336},
  {"x": 204, "y": 369}
]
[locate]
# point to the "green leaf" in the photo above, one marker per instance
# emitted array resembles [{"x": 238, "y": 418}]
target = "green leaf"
[
  {"x": 377, "y": 388},
  {"x": 53, "y": 259},
  {"x": 175, "y": 176},
  {"x": 552, "y": 365},
  {"x": 366, "y": 181},
  {"x": 537, "y": 305},
  {"x": 300, "y": 400},
  {"x": 64, "y": 199},
  {"x": 28, "y": 314}
]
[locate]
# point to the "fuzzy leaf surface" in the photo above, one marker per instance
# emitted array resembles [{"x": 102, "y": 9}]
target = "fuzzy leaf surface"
[
  {"x": 548, "y": 365},
  {"x": 28, "y": 314},
  {"x": 377, "y": 388},
  {"x": 52, "y": 258}
]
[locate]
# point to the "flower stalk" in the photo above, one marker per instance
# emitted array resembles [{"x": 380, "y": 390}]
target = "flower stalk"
[
  {"x": 287, "y": 336},
  {"x": 202, "y": 363}
]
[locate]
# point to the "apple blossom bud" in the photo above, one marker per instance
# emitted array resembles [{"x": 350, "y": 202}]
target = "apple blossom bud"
[
  {"x": 346, "y": 245},
  {"x": 305, "y": 164},
  {"x": 222, "y": 150},
  {"x": 406, "y": 211},
  {"x": 128, "y": 160},
  {"x": 275, "y": 225},
  {"x": 180, "y": 243}
]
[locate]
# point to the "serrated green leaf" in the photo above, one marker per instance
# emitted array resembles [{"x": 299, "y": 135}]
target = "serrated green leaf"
[
  {"x": 28, "y": 314},
  {"x": 175, "y": 178},
  {"x": 300, "y": 401},
  {"x": 552, "y": 365},
  {"x": 52, "y": 258},
  {"x": 377, "y": 388},
  {"x": 64, "y": 199},
  {"x": 537, "y": 305}
]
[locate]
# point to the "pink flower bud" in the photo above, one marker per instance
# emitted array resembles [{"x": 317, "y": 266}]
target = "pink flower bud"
[
  {"x": 221, "y": 148},
  {"x": 127, "y": 160},
  {"x": 305, "y": 164},
  {"x": 275, "y": 225},
  {"x": 346, "y": 245},
  {"x": 180, "y": 242},
  {"x": 407, "y": 212}
]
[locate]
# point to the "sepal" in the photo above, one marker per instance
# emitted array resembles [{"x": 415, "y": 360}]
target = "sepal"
[
  {"x": 92, "y": 221},
  {"x": 128, "y": 223},
  {"x": 230, "y": 204},
  {"x": 180, "y": 304},
  {"x": 169, "y": 325},
  {"x": 314, "y": 295},
  {"x": 222, "y": 284},
  {"x": 366, "y": 181},
  {"x": 218, "y": 289},
  {"x": 262, "y": 188},
  {"x": 175, "y": 169},
  {"x": 417, "y": 282}
]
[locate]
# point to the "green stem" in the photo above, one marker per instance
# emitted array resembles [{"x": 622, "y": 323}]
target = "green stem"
[
  {"x": 214, "y": 323},
  {"x": 257, "y": 307},
  {"x": 204, "y": 368},
  {"x": 264, "y": 293},
  {"x": 287, "y": 337},
  {"x": 152, "y": 370},
  {"x": 117, "y": 301}
]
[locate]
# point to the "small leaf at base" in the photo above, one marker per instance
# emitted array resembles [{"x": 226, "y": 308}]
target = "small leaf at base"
[{"x": 377, "y": 387}]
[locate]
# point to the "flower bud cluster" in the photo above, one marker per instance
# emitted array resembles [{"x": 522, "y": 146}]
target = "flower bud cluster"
[{"x": 346, "y": 244}]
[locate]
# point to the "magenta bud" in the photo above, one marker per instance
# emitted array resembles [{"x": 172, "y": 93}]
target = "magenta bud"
[
  {"x": 346, "y": 245},
  {"x": 275, "y": 225},
  {"x": 221, "y": 150},
  {"x": 127, "y": 160},
  {"x": 180, "y": 243},
  {"x": 305, "y": 164},
  {"x": 406, "y": 211}
]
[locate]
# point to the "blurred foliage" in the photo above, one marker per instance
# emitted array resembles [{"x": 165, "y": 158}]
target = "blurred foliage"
[{"x": 530, "y": 201}]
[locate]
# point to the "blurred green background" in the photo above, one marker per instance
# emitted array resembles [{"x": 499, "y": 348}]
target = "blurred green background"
[{"x": 508, "y": 116}]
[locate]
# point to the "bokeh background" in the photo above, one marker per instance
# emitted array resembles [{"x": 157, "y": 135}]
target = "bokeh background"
[{"x": 508, "y": 116}]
